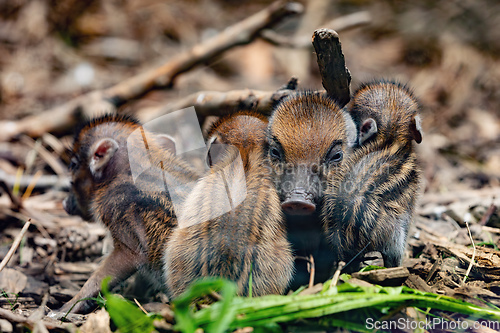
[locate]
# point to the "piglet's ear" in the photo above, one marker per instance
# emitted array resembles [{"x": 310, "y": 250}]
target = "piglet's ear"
[
  {"x": 212, "y": 151},
  {"x": 167, "y": 142},
  {"x": 416, "y": 129},
  {"x": 367, "y": 129},
  {"x": 350, "y": 128},
  {"x": 100, "y": 156}
]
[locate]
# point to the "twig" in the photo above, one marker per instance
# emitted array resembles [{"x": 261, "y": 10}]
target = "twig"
[
  {"x": 310, "y": 267},
  {"x": 357, "y": 254},
  {"x": 45, "y": 155},
  {"x": 215, "y": 295},
  {"x": 32, "y": 185},
  {"x": 10, "y": 316},
  {"x": 54, "y": 143},
  {"x": 339, "y": 24},
  {"x": 67, "y": 115},
  {"x": 140, "y": 306},
  {"x": 15, "y": 245},
  {"x": 335, "y": 278},
  {"x": 473, "y": 254},
  {"x": 486, "y": 217},
  {"x": 44, "y": 181},
  {"x": 437, "y": 265},
  {"x": 491, "y": 229},
  {"x": 312, "y": 271},
  {"x": 335, "y": 76},
  {"x": 217, "y": 103},
  {"x": 447, "y": 198},
  {"x": 16, "y": 202},
  {"x": 31, "y": 156}
]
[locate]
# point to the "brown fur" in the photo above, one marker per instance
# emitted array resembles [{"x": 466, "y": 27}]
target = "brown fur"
[
  {"x": 370, "y": 200},
  {"x": 138, "y": 214},
  {"x": 392, "y": 106},
  {"x": 311, "y": 134},
  {"x": 249, "y": 239}
]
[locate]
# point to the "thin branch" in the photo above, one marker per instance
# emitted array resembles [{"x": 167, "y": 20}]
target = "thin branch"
[
  {"x": 10, "y": 316},
  {"x": 15, "y": 318},
  {"x": 216, "y": 103},
  {"x": 486, "y": 217},
  {"x": 335, "y": 76},
  {"x": 48, "y": 157},
  {"x": 312, "y": 271},
  {"x": 473, "y": 255},
  {"x": 42, "y": 182},
  {"x": 140, "y": 306},
  {"x": 310, "y": 267},
  {"x": 32, "y": 185},
  {"x": 343, "y": 23},
  {"x": 335, "y": 278},
  {"x": 15, "y": 245},
  {"x": 16, "y": 201},
  {"x": 67, "y": 115}
]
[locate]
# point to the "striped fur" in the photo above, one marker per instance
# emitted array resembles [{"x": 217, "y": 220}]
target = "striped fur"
[
  {"x": 250, "y": 238},
  {"x": 138, "y": 214},
  {"x": 393, "y": 107},
  {"x": 370, "y": 201},
  {"x": 305, "y": 132}
]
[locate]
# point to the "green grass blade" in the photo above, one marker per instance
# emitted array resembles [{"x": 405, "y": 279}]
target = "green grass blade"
[{"x": 126, "y": 316}]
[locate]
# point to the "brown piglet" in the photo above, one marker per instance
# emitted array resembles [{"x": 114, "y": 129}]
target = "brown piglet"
[{"x": 232, "y": 225}]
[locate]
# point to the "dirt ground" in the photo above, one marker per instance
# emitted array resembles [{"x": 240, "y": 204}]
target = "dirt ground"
[{"x": 53, "y": 51}]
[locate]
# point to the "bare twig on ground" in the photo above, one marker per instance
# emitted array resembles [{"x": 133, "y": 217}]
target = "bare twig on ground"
[
  {"x": 10, "y": 316},
  {"x": 335, "y": 278},
  {"x": 473, "y": 254},
  {"x": 492, "y": 230},
  {"x": 385, "y": 277},
  {"x": 335, "y": 76},
  {"x": 486, "y": 217},
  {"x": 312, "y": 271},
  {"x": 339, "y": 24},
  {"x": 15, "y": 245},
  {"x": 15, "y": 318},
  {"x": 44, "y": 181},
  {"x": 446, "y": 198},
  {"x": 217, "y": 103},
  {"x": 311, "y": 268},
  {"x": 140, "y": 306},
  {"x": 95, "y": 102},
  {"x": 48, "y": 157},
  {"x": 16, "y": 201},
  {"x": 32, "y": 185}
]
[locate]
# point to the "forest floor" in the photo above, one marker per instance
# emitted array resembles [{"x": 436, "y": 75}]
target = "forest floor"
[{"x": 447, "y": 53}]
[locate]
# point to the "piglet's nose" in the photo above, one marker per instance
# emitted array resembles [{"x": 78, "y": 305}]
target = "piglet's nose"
[
  {"x": 298, "y": 207},
  {"x": 298, "y": 202}
]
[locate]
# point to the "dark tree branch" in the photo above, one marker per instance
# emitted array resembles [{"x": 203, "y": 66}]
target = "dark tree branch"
[{"x": 335, "y": 76}]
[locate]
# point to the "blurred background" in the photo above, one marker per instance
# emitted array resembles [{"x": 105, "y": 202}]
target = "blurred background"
[{"x": 446, "y": 51}]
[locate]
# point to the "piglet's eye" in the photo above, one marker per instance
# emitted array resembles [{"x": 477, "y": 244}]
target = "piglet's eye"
[
  {"x": 73, "y": 164},
  {"x": 275, "y": 153},
  {"x": 334, "y": 156},
  {"x": 337, "y": 157}
]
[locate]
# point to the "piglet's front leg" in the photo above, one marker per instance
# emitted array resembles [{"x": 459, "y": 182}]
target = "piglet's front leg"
[{"x": 119, "y": 265}]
